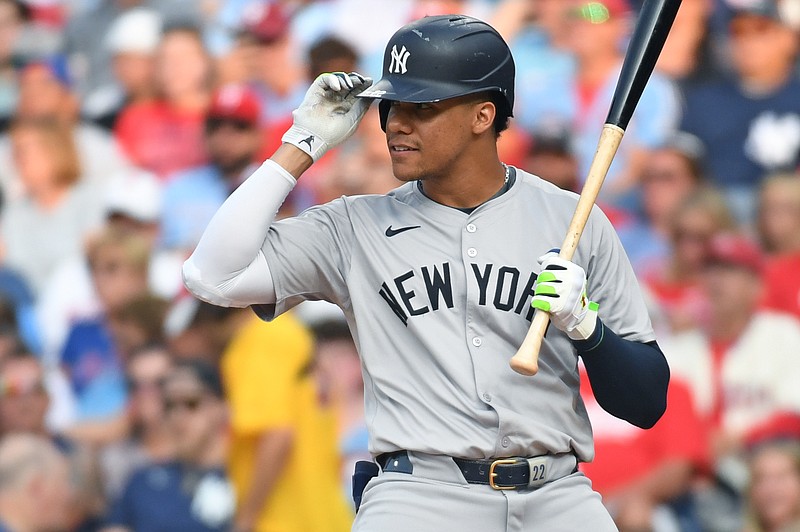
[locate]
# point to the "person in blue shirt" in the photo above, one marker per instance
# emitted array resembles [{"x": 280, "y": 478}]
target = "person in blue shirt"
[
  {"x": 233, "y": 138},
  {"x": 190, "y": 493},
  {"x": 750, "y": 122}
]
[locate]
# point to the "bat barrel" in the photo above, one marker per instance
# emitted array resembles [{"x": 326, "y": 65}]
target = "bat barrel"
[{"x": 649, "y": 35}]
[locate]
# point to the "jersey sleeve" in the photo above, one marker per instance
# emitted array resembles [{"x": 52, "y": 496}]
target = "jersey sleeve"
[
  {"x": 612, "y": 282},
  {"x": 309, "y": 257}
]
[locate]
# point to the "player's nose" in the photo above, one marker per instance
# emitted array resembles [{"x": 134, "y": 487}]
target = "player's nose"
[{"x": 398, "y": 120}]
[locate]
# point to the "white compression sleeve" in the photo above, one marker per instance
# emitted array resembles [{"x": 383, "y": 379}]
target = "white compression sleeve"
[{"x": 228, "y": 267}]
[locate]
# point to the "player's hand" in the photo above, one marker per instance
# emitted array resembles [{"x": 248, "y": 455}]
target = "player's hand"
[
  {"x": 561, "y": 291},
  {"x": 329, "y": 113}
]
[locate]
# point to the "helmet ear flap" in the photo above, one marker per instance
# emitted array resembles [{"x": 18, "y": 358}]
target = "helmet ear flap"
[{"x": 383, "y": 110}]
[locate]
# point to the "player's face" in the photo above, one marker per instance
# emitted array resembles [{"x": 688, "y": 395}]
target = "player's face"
[{"x": 428, "y": 140}]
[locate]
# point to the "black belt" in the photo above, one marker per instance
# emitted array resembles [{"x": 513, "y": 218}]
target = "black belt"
[{"x": 500, "y": 474}]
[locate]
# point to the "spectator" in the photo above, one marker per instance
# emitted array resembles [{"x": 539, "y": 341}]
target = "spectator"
[
  {"x": 594, "y": 33},
  {"x": 283, "y": 459},
  {"x": 131, "y": 41},
  {"x": 83, "y": 36},
  {"x": 24, "y": 401},
  {"x": 13, "y": 16},
  {"x": 742, "y": 365},
  {"x": 271, "y": 64},
  {"x": 34, "y": 485},
  {"x": 45, "y": 94},
  {"x": 330, "y": 54},
  {"x": 338, "y": 371},
  {"x": 672, "y": 173},
  {"x": 779, "y": 214},
  {"x": 779, "y": 228},
  {"x": 10, "y": 341},
  {"x": 682, "y": 55},
  {"x": 675, "y": 282},
  {"x": 17, "y": 314},
  {"x": 774, "y": 490},
  {"x": 645, "y": 476},
  {"x": 279, "y": 424},
  {"x": 92, "y": 358},
  {"x": 538, "y": 33},
  {"x": 551, "y": 157},
  {"x": 232, "y": 138},
  {"x": 165, "y": 136},
  {"x": 149, "y": 440},
  {"x": 132, "y": 204},
  {"x": 57, "y": 212},
  {"x": 751, "y": 123},
  {"x": 138, "y": 323},
  {"x": 192, "y": 492}
]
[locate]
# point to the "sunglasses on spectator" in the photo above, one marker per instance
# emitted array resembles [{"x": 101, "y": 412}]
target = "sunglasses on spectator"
[
  {"x": 136, "y": 385},
  {"x": 214, "y": 123},
  {"x": 188, "y": 404}
]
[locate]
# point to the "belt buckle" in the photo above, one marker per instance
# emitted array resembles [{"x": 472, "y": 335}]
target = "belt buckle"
[{"x": 492, "y": 474}]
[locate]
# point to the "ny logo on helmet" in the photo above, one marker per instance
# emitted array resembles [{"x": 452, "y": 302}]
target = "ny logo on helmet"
[{"x": 399, "y": 59}]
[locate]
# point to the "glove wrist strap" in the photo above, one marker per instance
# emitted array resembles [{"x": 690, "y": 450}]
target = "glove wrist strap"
[
  {"x": 306, "y": 141},
  {"x": 586, "y": 327}
]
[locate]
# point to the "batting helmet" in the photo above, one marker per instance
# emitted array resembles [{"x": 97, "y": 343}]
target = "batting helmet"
[{"x": 436, "y": 58}]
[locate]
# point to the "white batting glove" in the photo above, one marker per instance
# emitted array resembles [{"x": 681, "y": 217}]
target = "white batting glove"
[
  {"x": 329, "y": 113},
  {"x": 561, "y": 291}
]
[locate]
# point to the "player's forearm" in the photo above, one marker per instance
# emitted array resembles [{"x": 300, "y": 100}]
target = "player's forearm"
[
  {"x": 272, "y": 454},
  {"x": 629, "y": 379},
  {"x": 227, "y": 267}
]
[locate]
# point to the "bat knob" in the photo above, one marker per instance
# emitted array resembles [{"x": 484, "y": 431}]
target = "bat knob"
[{"x": 524, "y": 367}]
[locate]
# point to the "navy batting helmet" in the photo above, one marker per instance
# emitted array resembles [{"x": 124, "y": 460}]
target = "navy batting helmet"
[{"x": 436, "y": 58}]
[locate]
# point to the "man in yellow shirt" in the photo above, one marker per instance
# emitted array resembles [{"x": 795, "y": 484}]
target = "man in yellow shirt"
[{"x": 283, "y": 459}]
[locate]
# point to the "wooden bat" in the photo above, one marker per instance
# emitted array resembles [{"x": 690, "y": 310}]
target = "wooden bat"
[{"x": 652, "y": 28}]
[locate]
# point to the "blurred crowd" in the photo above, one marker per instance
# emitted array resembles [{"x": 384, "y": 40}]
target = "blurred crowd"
[{"x": 127, "y": 405}]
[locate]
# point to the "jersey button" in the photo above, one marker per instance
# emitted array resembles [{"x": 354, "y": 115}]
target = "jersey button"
[
  {"x": 472, "y": 252},
  {"x": 505, "y": 442},
  {"x": 487, "y": 397},
  {"x": 471, "y": 228},
  {"x": 477, "y": 342}
]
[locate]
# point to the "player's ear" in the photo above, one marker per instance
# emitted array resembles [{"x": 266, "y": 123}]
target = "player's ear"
[{"x": 485, "y": 112}]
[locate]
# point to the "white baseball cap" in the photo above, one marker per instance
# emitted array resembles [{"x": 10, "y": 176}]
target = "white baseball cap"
[
  {"x": 135, "y": 193},
  {"x": 136, "y": 30}
]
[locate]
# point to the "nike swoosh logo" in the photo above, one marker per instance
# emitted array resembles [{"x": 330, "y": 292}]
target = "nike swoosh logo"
[{"x": 391, "y": 232}]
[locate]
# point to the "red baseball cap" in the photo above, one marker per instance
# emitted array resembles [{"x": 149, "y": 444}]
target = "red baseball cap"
[
  {"x": 265, "y": 20},
  {"x": 735, "y": 250},
  {"x": 235, "y": 101}
]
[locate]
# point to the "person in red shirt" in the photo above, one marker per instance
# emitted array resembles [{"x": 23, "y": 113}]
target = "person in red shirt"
[
  {"x": 675, "y": 283},
  {"x": 167, "y": 135},
  {"x": 779, "y": 231},
  {"x": 639, "y": 472}
]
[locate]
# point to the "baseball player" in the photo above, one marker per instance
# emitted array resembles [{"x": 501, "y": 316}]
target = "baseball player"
[{"x": 437, "y": 280}]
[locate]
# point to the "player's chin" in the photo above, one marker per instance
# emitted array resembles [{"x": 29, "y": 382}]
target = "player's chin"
[{"x": 404, "y": 171}]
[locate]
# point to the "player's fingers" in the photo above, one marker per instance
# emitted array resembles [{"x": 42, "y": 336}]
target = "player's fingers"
[
  {"x": 551, "y": 254},
  {"x": 344, "y": 79},
  {"x": 332, "y": 82}
]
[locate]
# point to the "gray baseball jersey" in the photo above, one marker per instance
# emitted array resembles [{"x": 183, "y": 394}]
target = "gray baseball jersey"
[{"x": 439, "y": 300}]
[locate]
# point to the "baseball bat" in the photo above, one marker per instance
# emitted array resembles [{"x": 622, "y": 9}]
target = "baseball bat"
[{"x": 652, "y": 28}]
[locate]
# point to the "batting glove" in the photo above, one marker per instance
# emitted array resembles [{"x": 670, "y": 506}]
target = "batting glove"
[
  {"x": 329, "y": 113},
  {"x": 561, "y": 291}
]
